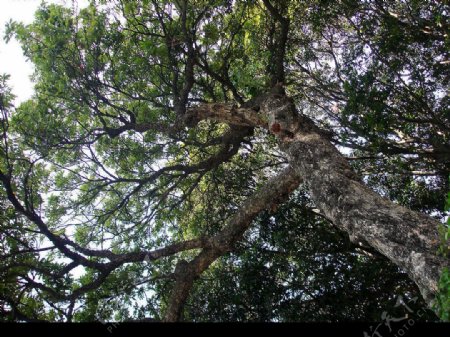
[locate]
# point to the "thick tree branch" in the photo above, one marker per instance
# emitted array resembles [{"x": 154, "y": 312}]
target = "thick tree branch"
[
  {"x": 226, "y": 113},
  {"x": 279, "y": 50},
  {"x": 407, "y": 238},
  {"x": 273, "y": 192}
]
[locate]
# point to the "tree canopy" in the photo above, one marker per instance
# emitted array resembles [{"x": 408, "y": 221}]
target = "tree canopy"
[{"x": 179, "y": 160}]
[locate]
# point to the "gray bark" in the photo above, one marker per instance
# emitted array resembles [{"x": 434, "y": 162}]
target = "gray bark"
[{"x": 407, "y": 238}]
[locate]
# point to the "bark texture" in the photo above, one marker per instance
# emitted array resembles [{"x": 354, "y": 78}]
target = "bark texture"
[{"x": 407, "y": 238}]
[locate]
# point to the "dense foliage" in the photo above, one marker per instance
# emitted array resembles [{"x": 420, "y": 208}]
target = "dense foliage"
[{"x": 101, "y": 166}]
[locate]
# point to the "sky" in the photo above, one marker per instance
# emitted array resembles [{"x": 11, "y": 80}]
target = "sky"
[{"x": 12, "y": 60}]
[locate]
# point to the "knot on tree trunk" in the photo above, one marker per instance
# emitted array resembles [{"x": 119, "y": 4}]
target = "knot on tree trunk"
[{"x": 281, "y": 114}]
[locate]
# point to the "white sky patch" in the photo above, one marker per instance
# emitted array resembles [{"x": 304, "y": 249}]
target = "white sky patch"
[{"x": 12, "y": 61}]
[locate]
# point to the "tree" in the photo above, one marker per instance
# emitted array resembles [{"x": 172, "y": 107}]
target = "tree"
[{"x": 161, "y": 132}]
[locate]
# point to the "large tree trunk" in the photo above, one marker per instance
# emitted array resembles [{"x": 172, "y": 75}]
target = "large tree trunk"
[{"x": 408, "y": 239}]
